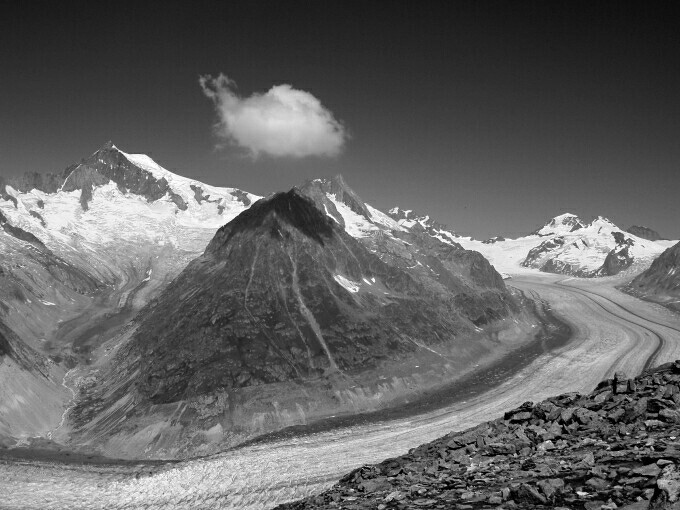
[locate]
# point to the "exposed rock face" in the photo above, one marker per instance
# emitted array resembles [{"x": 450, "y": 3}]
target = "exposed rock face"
[
  {"x": 81, "y": 251},
  {"x": 20, "y": 233},
  {"x": 285, "y": 301},
  {"x": 281, "y": 293},
  {"x": 644, "y": 233},
  {"x": 109, "y": 164},
  {"x": 309, "y": 304},
  {"x": 493, "y": 240},
  {"x": 47, "y": 182},
  {"x": 661, "y": 282},
  {"x": 619, "y": 258},
  {"x": 616, "y": 447},
  {"x": 561, "y": 224},
  {"x": 420, "y": 246},
  {"x": 542, "y": 249},
  {"x": 418, "y": 222},
  {"x": 317, "y": 189},
  {"x": 63, "y": 272}
]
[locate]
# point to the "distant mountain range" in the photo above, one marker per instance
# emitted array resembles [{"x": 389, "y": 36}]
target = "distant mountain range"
[
  {"x": 569, "y": 245},
  {"x": 145, "y": 314}
]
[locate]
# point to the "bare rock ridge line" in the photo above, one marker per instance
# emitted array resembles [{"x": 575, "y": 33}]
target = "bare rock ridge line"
[
  {"x": 289, "y": 319},
  {"x": 617, "y": 447}
]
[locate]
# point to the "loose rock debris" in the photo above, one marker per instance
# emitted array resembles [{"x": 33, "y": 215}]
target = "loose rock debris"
[{"x": 618, "y": 447}]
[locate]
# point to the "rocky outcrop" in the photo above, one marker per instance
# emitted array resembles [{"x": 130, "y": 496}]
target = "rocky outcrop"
[
  {"x": 562, "y": 224},
  {"x": 619, "y": 259},
  {"x": 661, "y": 281},
  {"x": 105, "y": 165},
  {"x": 494, "y": 240},
  {"x": 20, "y": 233},
  {"x": 413, "y": 220},
  {"x": 47, "y": 182},
  {"x": 109, "y": 164},
  {"x": 62, "y": 271},
  {"x": 618, "y": 447},
  {"x": 287, "y": 319},
  {"x": 318, "y": 189},
  {"x": 81, "y": 252},
  {"x": 542, "y": 249},
  {"x": 282, "y": 293},
  {"x": 644, "y": 233}
]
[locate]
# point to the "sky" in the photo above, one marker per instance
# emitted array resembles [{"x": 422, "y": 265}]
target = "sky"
[{"x": 491, "y": 117}]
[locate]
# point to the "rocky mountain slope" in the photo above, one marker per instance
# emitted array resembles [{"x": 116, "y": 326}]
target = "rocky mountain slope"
[
  {"x": 146, "y": 334},
  {"x": 661, "y": 282},
  {"x": 287, "y": 318},
  {"x": 81, "y": 251},
  {"x": 617, "y": 447}
]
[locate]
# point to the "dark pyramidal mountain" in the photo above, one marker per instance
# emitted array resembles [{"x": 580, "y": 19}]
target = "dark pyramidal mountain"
[
  {"x": 283, "y": 292},
  {"x": 188, "y": 318},
  {"x": 286, "y": 319},
  {"x": 661, "y": 282}
]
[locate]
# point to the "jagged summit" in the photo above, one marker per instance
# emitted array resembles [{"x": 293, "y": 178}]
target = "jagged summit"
[
  {"x": 561, "y": 224},
  {"x": 602, "y": 221},
  {"x": 110, "y": 164},
  {"x": 292, "y": 208},
  {"x": 131, "y": 174},
  {"x": 410, "y": 220},
  {"x": 337, "y": 189},
  {"x": 108, "y": 145}
]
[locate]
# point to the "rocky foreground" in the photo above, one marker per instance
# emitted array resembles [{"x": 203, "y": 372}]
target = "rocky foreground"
[{"x": 618, "y": 447}]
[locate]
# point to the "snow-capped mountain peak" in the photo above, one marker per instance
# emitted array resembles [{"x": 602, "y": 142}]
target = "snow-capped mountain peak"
[
  {"x": 409, "y": 219},
  {"x": 114, "y": 206},
  {"x": 562, "y": 224}
]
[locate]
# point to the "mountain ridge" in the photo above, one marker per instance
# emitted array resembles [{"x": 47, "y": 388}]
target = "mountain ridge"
[
  {"x": 661, "y": 281},
  {"x": 285, "y": 305}
]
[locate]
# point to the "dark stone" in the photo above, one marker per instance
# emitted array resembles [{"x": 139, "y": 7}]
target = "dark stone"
[{"x": 640, "y": 463}]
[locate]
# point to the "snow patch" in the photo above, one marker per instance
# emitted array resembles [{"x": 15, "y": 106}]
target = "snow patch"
[
  {"x": 330, "y": 215},
  {"x": 383, "y": 219},
  {"x": 356, "y": 225},
  {"x": 349, "y": 285}
]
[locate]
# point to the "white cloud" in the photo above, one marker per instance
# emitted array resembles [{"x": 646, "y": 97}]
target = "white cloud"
[{"x": 281, "y": 122}]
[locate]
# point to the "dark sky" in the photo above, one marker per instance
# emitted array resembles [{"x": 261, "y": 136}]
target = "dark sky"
[{"x": 490, "y": 116}]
